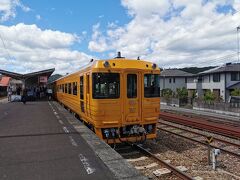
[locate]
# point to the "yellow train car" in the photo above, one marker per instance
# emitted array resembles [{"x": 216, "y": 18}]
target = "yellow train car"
[{"x": 118, "y": 98}]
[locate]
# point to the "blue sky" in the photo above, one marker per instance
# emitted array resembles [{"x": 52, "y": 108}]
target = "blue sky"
[
  {"x": 72, "y": 16},
  {"x": 66, "y": 34}
]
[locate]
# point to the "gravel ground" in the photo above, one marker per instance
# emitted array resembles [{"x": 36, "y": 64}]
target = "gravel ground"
[
  {"x": 192, "y": 155},
  {"x": 236, "y": 141}
]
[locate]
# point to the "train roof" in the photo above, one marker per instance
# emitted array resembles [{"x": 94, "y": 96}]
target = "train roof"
[{"x": 117, "y": 63}]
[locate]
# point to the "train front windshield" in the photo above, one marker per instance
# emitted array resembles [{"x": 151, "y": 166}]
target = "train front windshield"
[
  {"x": 106, "y": 85},
  {"x": 151, "y": 85}
]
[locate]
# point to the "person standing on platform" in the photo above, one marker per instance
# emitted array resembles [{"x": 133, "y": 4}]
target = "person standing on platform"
[
  {"x": 9, "y": 91},
  {"x": 49, "y": 94},
  {"x": 24, "y": 96},
  {"x": 18, "y": 90}
]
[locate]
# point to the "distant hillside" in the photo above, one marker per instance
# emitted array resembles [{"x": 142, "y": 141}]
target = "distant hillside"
[
  {"x": 54, "y": 77},
  {"x": 196, "y": 70}
]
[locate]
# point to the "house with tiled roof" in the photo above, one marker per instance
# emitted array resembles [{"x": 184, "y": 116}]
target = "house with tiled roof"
[
  {"x": 173, "y": 79},
  {"x": 221, "y": 80}
]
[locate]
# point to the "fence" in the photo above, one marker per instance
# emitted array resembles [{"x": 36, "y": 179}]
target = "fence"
[
  {"x": 220, "y": 106},
  {"x": 200, "y": 104},
  {"x": 175, "y": 101}
]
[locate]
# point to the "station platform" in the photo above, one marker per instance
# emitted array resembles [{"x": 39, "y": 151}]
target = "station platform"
[{"x": 42, "y": 140}]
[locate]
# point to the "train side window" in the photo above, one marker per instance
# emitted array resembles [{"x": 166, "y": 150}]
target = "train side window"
[
  {"x": 69, "y": 88},
  {"x": 81, "y": 87},
  {"x": 75, "y": 88},
  {"x": 65, "y": 88},
  {"x": 131, "y": 85},
  {"x": 62, "y": 88}
]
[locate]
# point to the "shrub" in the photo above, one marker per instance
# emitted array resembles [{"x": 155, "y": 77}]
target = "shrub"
[
  {"x": 235, "y": 92},
  {"x": 209, "y": 97}
]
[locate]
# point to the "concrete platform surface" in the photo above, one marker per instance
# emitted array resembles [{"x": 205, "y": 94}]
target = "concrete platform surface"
[
  {"x": 41, "y": 140},
  {"x": 3, "y": 100}
]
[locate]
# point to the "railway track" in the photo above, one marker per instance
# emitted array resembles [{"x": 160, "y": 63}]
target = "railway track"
[
  {"x": 220, "y": 120},
  {"x": 165, "y": 153},
  {"x": 223, "y": 129},
  {"x": 223, "y": 142},
  {"x": 174, "y": 171}
]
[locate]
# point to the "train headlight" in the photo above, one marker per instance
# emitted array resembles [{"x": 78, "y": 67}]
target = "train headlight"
[{"x": 106, "y": 64}]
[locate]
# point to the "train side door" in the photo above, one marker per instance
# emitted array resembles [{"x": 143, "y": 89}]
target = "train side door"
[
  {"x": 88, "y": 94},
  {"x": 82, "y": 107},
  {"x": 132, "y": 97}
]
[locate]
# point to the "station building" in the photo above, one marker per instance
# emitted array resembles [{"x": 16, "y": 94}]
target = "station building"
[
  {"x": 4, "y": 83},
  {"x": 35, "y": 83}
]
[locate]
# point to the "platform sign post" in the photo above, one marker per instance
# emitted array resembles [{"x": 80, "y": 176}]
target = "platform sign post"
[{"x": 209, "y": 141}]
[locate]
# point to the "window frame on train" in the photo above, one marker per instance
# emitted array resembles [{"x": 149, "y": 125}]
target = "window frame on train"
[
  {"x": 75, "y": 91},
  {"x": 65, "y": 88},
  {"x": 111, "y": 82},
  {"x": 69, "y": 88},
  {"x": 132, "y": 85},
  {"x": 81, "y": 88},
  {"x": 151, "y": 90}
]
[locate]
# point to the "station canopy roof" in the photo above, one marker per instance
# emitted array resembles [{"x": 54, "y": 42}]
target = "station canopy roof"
[
  {"x": 4, "y": 81},
  {"x": 19, "y": 76}
]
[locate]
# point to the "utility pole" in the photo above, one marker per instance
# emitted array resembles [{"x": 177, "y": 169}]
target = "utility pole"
[{"x": 238, "y": 28}]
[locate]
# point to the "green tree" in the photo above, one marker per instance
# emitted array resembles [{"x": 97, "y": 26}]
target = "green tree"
[
  {"x": 235, "y": 92},
  {"x": 182, "y": 93},
  {"x": 209, "y": 97},
  {"x": 194, "y": 94},
  {"x": 167, "y": 93}
]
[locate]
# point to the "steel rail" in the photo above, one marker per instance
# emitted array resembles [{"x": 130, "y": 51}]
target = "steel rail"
[
  {"x": 203, "y": 124},
  {"x": 209, "y": 118},
  {"x": 200, "y": 142},
  {"x": 175, "y": 171},
  {"x": 214, "y": 138}
]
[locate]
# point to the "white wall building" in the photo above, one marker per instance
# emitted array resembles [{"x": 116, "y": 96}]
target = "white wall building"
[
  {"x": 173, "y": 79},
  {"x": 220, "y": 80}
]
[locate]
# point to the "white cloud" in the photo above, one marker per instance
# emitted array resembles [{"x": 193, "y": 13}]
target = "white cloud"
[
  {"x": 33, "y": 37},
  {"x": 172, "y": 32},
  {"x": 31, "y": 49},
  {"x": 8, "y": 9},
  {"x": 145, "y": 8},
  {"x": 38, "y": 17},
  {"x": 98, "y": 42}
]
